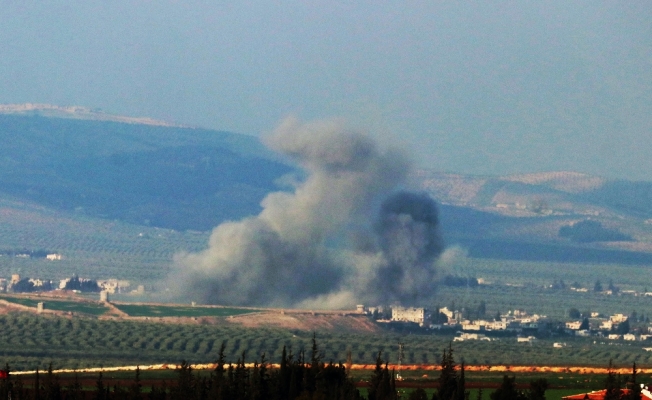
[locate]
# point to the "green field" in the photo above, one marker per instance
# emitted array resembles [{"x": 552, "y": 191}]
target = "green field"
[
  {"x": 31, "y": 341},
  {"x": 60, "y": 305},
  {"x": 144, "y": 310}
]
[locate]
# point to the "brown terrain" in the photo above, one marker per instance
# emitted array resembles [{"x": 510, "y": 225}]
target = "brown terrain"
[{"x": 305, "y": 320}]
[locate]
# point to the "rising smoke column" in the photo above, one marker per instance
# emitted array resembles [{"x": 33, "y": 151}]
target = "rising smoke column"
[
  {"x": 342, "y": 236},
  {"x": 408, "y": 231},
  {"x": 292, "y": 251}
]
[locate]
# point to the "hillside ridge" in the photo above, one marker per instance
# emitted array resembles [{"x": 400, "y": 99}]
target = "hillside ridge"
[{"x": 79, "y": 112}]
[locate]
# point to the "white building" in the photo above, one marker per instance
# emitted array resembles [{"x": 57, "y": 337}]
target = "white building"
[
  {"x": 113, "y": 285},
  {"x": 574, "y": 325},
  {"x": 409, "y": 314},
  {"x": 618, "y": 318},
  {"x": 471, "y": 336}
]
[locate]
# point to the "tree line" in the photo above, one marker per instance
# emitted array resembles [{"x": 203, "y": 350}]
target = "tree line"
[{"x": 299, "y": 377}]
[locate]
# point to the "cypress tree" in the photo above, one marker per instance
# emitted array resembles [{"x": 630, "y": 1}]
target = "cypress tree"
[
  {"x": 612, "y": 384},
  {"x": 136, "y": 388},
  {"x": 537, "y": 390},
  {"x": 37, "y": 386},
  {"x": 634, "y": 392},
  {"x": 100, "y": 390},
  {"x": 448, "y": 379},
  {"x": 507, "y": 390}
]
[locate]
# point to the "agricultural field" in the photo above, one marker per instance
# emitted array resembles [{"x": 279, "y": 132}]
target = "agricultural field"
[
  {"x": 147, "y": 310},
  {"x": 91, "y": 247},
  {"x": 83, "y": 307},
  {"x": 31, "y": 341},
  {"x": 526, "y": 286},
  {"x": 79, "y": 305}
]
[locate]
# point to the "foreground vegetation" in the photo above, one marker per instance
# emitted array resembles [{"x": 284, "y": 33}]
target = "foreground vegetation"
[
  {"x": 34, "y": 341},
  {"x": 303, "y": 375}
]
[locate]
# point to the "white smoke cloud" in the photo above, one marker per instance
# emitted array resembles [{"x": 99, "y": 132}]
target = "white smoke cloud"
[{"x": 322, "y": 244}]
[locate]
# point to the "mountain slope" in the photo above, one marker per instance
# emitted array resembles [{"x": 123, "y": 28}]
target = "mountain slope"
[
  {"x": 560, "y": 216},
  {"x": 193, "y": 179},
  {"x": 172, "y": 177}
]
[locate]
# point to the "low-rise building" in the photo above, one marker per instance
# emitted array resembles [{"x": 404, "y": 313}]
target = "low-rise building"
[
  {"x": 470, "y": 336},
  {"x": 409, "y": 314},
  {"x": 574, "y": 325},
  {"x": 618, "y": 318}
]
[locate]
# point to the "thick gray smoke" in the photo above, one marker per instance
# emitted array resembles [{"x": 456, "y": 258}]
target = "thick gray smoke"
[
  {"x": 318, "y": 245},
  {"x": 410, "y": 241}
]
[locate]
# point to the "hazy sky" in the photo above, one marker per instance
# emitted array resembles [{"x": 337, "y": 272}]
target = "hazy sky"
[{"x": 474, "y": 87}]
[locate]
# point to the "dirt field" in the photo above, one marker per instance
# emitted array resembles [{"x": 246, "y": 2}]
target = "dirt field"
[
  {"x": 304, "y": 320},
  {"x": 307, "y": 321}
]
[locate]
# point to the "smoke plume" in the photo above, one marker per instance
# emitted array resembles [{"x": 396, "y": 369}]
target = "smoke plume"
[{"x": 342, "y": 236}]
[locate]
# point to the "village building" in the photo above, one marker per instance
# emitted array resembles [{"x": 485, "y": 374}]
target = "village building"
[{"x": 409, "y": 314}]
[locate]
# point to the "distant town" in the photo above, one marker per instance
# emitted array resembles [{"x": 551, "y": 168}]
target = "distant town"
[{"x": 515, "y": 323}]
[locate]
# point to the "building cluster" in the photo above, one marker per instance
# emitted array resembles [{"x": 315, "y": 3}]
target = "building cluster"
[
  {"x": 514, "y": 322},
  {"x": 526, "y": 327},
  {"x": 614, "y": 327},
  {"x": 17, "y": 284}
]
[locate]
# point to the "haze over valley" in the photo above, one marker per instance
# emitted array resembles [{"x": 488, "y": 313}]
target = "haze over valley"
[{"x": 128, "y": 199}]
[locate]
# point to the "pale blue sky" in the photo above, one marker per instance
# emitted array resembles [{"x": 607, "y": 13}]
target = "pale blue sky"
[{"x": 482, "y": 87}]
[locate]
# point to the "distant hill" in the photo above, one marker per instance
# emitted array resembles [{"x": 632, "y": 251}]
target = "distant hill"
[
  {"x": 147, "y": 174},
  {"x": 92, "y": 167},
  {"x": 552, "y": 216}
]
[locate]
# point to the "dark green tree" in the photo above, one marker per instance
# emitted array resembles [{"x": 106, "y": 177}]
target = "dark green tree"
[
  {"x": 537, "y": 389},
  {"x": 136, "y": 388},
  {"x": 448, "y": 378},
  {"x": 100, "y": 389},
  {"x": 218, "y": 380},
  {"x": 185, "y": 382},
  {"x": 612, "y": 384},
  {"x": 598, "y": 286},
  {"x": 418, "y": 394},
  {"x": 585, "y": 324},
  {"x": 508, "y": 390},
  {"x": 37, "y": 385},
  {"x": 634, "y": 388},
  {"x": 614, "y": 289},
  {"x": 482, "y": 309},
  {"x": 381, "y": 383},
  {"x": 74, "y": 390},
  {"x": 52, "y": 386},
  {"x": 460, "y": 391},
  {"x": 623, "y": 327}
]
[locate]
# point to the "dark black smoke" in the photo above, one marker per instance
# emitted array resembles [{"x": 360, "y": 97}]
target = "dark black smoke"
[{"x": 408, "y": 230}]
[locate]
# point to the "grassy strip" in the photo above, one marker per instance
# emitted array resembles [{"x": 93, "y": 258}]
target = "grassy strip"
[
  {"x": 138, "y": 310},
  {"x": 60, "y": 305}
]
